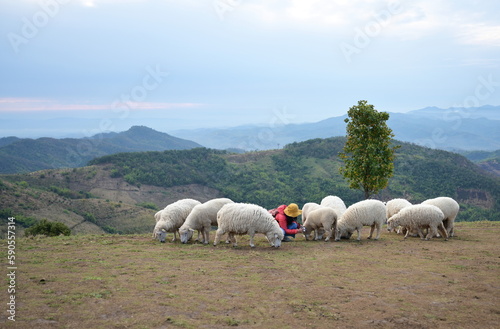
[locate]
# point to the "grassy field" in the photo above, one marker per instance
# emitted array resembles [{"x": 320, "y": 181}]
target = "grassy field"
[{"x": 132, "y": 281}]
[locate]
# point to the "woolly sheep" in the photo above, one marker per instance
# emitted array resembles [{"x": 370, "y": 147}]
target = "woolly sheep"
[
  {"x": 306, "y": 209},
  {"x": 450, "y": 209},
  {"x": 172, "y": 217},
  {"x": 202, "y": 218},
  {"x": 335, "y": 203},
  {"x": 419, "y": 217},
  {"x": 367, "y": 212},
  {"x": 393, "y": 207},
  {"x": 157, "y": 218},
  {"x": 321, "y": 218},
  {"x": 244, "y": 218}
]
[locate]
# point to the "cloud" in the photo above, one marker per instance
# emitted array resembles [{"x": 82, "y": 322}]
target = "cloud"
[{"x": 33, "y": 105}]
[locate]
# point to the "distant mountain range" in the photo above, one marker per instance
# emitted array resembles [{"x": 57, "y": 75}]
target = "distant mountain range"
[
  {"x": 454, "y": 129},
  {"x": 26, "y": 155}
]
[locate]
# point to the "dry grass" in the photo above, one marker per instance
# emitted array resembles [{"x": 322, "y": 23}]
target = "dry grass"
[{"x": 110, "y": 281}]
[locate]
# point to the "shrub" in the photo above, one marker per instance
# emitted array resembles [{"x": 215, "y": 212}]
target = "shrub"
[{"x": 44, "y": 227}]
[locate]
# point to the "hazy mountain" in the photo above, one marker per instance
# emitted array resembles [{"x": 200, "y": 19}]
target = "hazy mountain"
[
  {"x": 448, "y": 129},
  {"x": 26, "y": 155}
]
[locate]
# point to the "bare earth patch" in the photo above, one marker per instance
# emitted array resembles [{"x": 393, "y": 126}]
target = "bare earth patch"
[{"x": 132, "y": 281}]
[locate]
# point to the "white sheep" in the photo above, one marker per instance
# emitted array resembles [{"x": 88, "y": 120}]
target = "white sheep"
[
  {"x": 172, "y": 217},
  {"x": 420, "y": 216},
  {"x": 321, "y": 218},
  {"x": 335, "y": 203},
  {"x": 450, "y": 209},
  {"x": 244, "y": 218},
  {"x": 157, "y": 218},
  {"x": 202, "y": 218},
  {"x": 393, "y": 207},
  {"x": 306, "y": 209},
  {"x": 367, "y": 212}
]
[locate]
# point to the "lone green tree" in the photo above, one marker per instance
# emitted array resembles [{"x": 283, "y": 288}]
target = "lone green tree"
[{"x": 367, "y": 154}]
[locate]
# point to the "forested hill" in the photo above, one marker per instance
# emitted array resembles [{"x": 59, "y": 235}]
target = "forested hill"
[
  {"x": 26, "y": 155},
  {"x": 307, "y": 171}
]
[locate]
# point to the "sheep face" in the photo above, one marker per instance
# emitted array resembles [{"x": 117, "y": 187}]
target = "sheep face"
[
  {"x": 186, "y": 235},
  {"x": 161, "y": 235},
  {"x": 391, "y": 224},
  {"x": 342, "y": 233},
  {"x": 274, "y": 239}
]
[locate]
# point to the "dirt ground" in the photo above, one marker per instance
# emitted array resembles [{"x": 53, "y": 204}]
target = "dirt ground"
[{"x": 132, "y": 281}]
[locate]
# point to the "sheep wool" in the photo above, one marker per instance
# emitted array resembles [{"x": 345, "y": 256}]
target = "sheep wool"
[
  {"x": 321, "y": 218},
  {"x": 202, "y": 218},
  {"x": 419, "y": 217},
  {"x": 172, "y": 217},
  {"x": 450, "y": 209},
  {"x": 335, "y": 203},
  {"x": 363, "y": 213},
  {"x": 244, "y": 218},
  {"x": 393, "y": 207}
]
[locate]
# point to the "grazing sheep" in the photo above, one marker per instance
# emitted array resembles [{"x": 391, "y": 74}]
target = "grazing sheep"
[
  {"x": 172, "y": 217},
  {"x": 157, "y": 218},
  {"x": 244, "y": 218},
  {"x": 450, "y": 209},
  {"x": 335, "y": 203},
  {"x": 393, "y": 207},
  {"x": 321, "y": 218},
  {"x": 420, "y": 216},
  {"x": 202, "y": 218},
  {"x": 306, "y": 209},
  {"x": 366, "y": 212}
]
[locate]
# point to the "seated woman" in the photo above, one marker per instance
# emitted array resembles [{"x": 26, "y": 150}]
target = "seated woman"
[{"x": 287, "y": 220}]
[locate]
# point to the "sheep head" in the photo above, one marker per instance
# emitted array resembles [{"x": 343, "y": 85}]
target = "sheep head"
[
  {"x": 186, "y": 234},
  {"x": 161, "y": 235}
]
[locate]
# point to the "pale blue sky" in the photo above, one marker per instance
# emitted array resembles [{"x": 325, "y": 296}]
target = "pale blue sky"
[{"x": 206, "y": 63}]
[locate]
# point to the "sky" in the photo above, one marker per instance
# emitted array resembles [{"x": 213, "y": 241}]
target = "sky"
[{"x": 100, "y": 65}]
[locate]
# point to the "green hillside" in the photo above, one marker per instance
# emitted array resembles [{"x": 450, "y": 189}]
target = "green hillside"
[
  {"x": 307, "y": 171},
  {"x": 120, "y": 193}
]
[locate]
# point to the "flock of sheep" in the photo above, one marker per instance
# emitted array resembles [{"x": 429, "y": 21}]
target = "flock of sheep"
[{"x": 330, "y": 218}]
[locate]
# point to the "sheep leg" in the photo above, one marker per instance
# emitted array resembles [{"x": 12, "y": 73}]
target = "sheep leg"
[
  {"x": 233, "y": 239},
  {"x": 420, "y": 233},
  {"x": 430, "y": 233},
  {"x": 442, "y": 229},
  {"x": 372, "y": 228},
  {"x": 359, "y": 233},
  {"x": 378, "y": 227},
  {"x": 175, "y": 236},
  {"x": 407, "y": 232},
  {"x": 328, "y": 235},
  {"x": 218, "y": 234},
  {"x": 251, "y": 240},
  {"x": 206, "y": 236}
]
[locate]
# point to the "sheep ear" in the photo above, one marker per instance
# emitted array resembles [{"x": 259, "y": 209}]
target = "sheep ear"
[
  {"x": 163, "y": 230},
  {"x": 191, "y": 229}
]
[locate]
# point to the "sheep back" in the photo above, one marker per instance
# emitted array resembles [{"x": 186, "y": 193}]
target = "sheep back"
[
  {"x": 363, "y": 213},
  {"x": 307, "y": 208},
  {"x": 322, "y": 217},
  {"x": 450, "y": 209},
  {"x": 202, "y": 217},
  {"x": 395, "y": 205},
  {"x": 335, "y": 203},
  {"x": 244, "y": 218},
  {"x": 419, "y": 216}
]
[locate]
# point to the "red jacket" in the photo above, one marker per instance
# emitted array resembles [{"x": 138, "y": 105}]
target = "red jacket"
[{"x": 281, "y": 218}]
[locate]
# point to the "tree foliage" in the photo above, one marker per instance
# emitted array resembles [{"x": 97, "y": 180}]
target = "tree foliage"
[{"x": 367, "y": 154}]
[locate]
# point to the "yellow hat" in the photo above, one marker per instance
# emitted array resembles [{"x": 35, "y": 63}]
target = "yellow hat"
[{"x": 292, "y": 210}]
